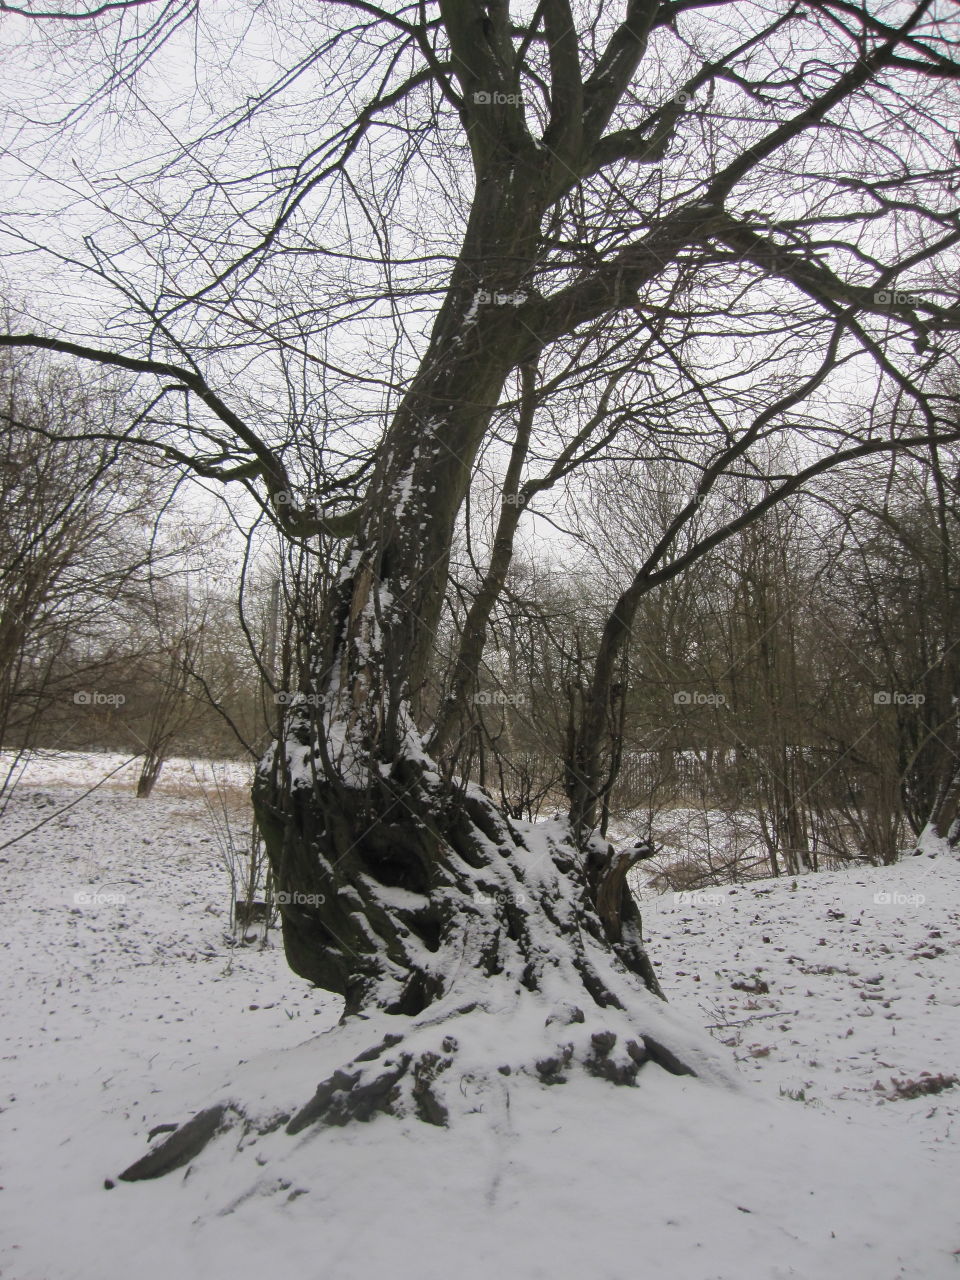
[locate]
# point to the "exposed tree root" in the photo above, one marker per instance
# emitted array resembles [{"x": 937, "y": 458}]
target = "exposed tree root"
[
  {"x": 473, "y": 954},
  {"x": 182, "y": 1146},
  {"x": 437, "y": 1069}
]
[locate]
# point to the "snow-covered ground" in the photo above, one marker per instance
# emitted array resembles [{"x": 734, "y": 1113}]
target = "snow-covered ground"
[
  {"x": 125, "y": 1008},
  {"x": 115, "y": 771}
]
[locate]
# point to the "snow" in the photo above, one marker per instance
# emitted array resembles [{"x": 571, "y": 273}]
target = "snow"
[
  {"x": 84, "y": 769},
  {"x": 120, "y": 1016},
  {"x": 403, "y": 486},
  {"x": 864, "y": 983},
  {"x": 932, "y": 844}
]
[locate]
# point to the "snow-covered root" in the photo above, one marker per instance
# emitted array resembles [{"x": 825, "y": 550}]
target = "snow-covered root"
[
  {"x": 477, "y": 958},
  {"x": 440, "y": 1068},
  {"x": 449, "y": 1062}
]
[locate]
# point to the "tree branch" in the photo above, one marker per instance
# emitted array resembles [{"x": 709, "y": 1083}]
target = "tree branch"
[{"x": 299, "y": 523}]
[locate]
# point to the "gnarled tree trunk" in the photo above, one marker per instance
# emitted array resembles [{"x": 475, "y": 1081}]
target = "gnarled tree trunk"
[{"x": 402, "y": 889}]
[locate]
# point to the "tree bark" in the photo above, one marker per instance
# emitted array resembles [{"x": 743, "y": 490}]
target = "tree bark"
[{"x": 398, "y": 888}]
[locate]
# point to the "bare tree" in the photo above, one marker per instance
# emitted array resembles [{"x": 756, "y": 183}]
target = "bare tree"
[
  {"x": 75, "y": 551},
  {"x": 903, "y": 565},
  {"x": 698, "y": 234}
]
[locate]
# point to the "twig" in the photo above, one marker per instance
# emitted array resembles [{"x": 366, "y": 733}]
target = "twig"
[{"x": 776, "y": 1013}]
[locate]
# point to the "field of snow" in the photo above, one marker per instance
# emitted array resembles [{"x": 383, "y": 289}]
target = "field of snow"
[
  {"x": 114, "y": 771},
  {"x": 835, "y": 998}
]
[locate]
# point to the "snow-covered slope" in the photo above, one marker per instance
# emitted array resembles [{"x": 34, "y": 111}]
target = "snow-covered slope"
[{"x": 130, "y": 1010}]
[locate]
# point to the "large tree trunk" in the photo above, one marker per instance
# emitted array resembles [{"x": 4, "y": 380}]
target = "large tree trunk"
[
  {"x": 403, "y": 889},
  {"x": 391, "y": 882},
  {"x": 473, "y": 954}
]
